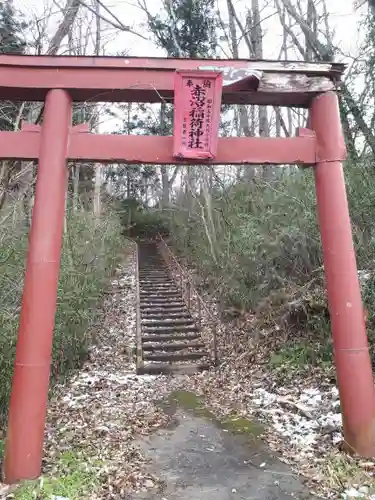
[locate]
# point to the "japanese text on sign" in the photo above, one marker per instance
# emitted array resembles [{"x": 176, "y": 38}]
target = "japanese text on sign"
[
  {"x": 197, "y": 120},
  {"x": 197, "y": 111}
]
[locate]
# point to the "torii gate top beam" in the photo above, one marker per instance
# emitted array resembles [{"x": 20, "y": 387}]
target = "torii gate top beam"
[{"x": 133, "y": 79}]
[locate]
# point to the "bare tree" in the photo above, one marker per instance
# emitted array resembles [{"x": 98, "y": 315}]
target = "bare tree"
[
  {"x": 24, "y": 176},
  {"x": 69, "y": 16},
  {"x": 98, "y": 167},
  {"x": 244, "y": 126},
  {"x": 322, "y": 51}
]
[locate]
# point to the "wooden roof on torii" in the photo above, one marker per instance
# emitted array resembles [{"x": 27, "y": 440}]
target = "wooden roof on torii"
[{"x": 134, "y": 79}]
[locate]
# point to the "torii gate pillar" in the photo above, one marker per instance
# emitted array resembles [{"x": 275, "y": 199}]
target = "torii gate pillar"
[
  {"x": 27, "y": 411},
  {"x": 350, "y": 345}
]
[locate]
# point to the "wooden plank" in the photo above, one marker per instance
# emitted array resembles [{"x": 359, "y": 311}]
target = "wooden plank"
[
  {"x": 295, "y": 83},
  {"x": 138, "y": 325},
  {"x": 168, "y": 63},
  {"x": 116, "y": 85}
]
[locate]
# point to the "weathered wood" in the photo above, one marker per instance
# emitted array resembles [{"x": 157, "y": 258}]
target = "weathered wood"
[
  {"x": 283, "y": 83},
  {"x": 173, "y": 346},
  {"x": 295, "y": 83},
  {"x": 170, "y": 338},
  {"x": 175, "y": 357},
  {"x": 166, "y": 322},
  {"x": 167, "y": 368},
  {"x": 169, "y": 330},
  {"x": 171, "y": 63}
]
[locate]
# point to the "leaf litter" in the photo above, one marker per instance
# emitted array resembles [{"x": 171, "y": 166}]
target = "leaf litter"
[{"x": 105, "y": 406}]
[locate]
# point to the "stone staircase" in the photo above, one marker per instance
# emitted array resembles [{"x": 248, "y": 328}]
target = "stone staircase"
[{"x": 169, "y": 339}]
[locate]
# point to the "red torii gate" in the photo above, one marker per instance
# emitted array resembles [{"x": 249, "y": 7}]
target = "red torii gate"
[{"x": 60, "y": 80}]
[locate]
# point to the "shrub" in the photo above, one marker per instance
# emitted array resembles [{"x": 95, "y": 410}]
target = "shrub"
[
  {"x": 91, "y": 251},
  {"x": 267, "y": 236}
]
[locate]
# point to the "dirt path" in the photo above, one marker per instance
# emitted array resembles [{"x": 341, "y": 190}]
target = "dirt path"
[{"x": 199, "y": 460}]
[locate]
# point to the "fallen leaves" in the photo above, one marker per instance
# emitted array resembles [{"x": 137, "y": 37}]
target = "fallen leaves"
[
  {"x": 103, "y": 408},
  {"x": 105, "y": 405}
]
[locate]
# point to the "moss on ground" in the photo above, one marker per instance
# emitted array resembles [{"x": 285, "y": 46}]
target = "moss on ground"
[{"x": 233, "y": 422}]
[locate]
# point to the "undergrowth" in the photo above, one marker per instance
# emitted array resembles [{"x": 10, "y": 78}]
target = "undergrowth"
[
  {"x": 258, "y": 250},
  {"x": 74, "y": 478},
  {"x": 343, "y": 472},
  {"x": 299, "y": 356},
  {"x": 91, "y": 251}
]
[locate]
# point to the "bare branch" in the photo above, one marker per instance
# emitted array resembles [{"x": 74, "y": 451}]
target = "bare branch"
[{"x": 118, "y": 24}]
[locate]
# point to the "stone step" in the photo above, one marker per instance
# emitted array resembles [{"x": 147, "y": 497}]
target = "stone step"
[
  {"x": 163, "y": 293},
  {"x": 161, "y": 302},
  {"x": 169, "y": 338},
  {"x": 173, "y": 346},
  {"x": 168, "y": 368},
  {"x": 172, "y": 329},
  {"x": 158, "y": 286},
  {"x": 174, "y": 357},
  {"x": 167, "y": 306},
  {"x": 165, "y": 310},
  {"x": 165, "y": 315},
  {"x": 167, "y": 322}
]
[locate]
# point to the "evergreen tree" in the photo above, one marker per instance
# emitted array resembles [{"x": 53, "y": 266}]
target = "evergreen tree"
[
  {"x": 12, "y": 41},
  {"x": 187, "y": 28},
  {"x": 12, "y": 26}
]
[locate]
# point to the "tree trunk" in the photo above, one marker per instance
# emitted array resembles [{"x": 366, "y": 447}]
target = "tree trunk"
[
  {"x": 165, "y": 185},
  {"x": 70, "y": 13},
  {"x": 163, "y": 168},
  {"x": 242, "y": 110},
  {"x": 256, "y": 36},
  {"x": 76, "y": 173},
  {"x": 98, "y": 167}
]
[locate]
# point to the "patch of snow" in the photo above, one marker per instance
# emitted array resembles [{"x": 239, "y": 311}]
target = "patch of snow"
[
  {"x": 292, "y": 423},
  {"x": 362, "y": 492}
]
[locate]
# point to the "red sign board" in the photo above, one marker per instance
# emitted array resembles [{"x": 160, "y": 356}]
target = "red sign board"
[{"x": 197, "y": 100}]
